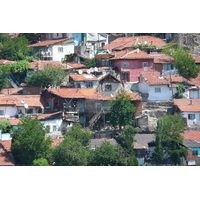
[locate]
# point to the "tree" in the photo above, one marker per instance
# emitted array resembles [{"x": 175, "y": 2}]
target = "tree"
[
  {"x": 80, "y": 134},
  {"x": 70, "y": 153},
  {"x": 51, "y": 76},
  {"x": 183, "y": 61},
  {"x": 29, "y": 142},
  {"x": 17, "y": 69},
  {"x": 3, "y": 82},
  {"x": 90, "y": 62},
  {"x": 108, "y": 155},
  {"x": 16, "y": 49},
  {"x": 4, "y": 126},
  {"x": 169, "y": 140},
  {"x": 31, "y": 37},
  {"x": 122, "y": 110},
  {"x": 4, "y": 37},
  {"x": 40, "y": 162}
]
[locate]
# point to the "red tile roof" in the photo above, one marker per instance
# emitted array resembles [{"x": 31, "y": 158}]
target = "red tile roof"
[
  {"x": 175, "y": 78},
  {"x": 191, "y": 135},
  {"x": 75, "y": 65},
  {"x": 15, "y": 100},
  {"x": 5, "y": 158},
  {"x": 188, "y": 105},
  {"x": 42, "y": 63},
  {"x": 11, "y": 91},
  {"x": 56, "y": 142},
  {"x": 154, "y": 78},
  {"x": 47, "y": 115},
  {"x": 196, "y": 58},
  {"x": 162, "y": 59},
  {"x": 13, "y": 121},
  {"x": 83, "y": 77},
  {"x": 128, "y": 42},
  {"x": 195, "y": 81},
  {"x": 131, "y": 54},
  {"x": 86, "y": 94},
  {"x": 103, "y": 55},
  {"x": 3, "y": 62},
  {"x": 49, "y": 42}
]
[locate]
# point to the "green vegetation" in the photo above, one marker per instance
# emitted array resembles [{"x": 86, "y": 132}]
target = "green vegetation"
[
  {"x": 40, "y": 162},
  {"x": 29, "y": 142},
  {"x": 121, "y": 110},
  {"x": 180, "y": 89},
  {"x": 5, "y": 126},
  {"x": 15, "y": 49},
  {"x": 168, "y": 139},
  {"x": 51, "y": 76},
  {"x": 90, "y": 62},
  {"x": 183, "y": 61}
]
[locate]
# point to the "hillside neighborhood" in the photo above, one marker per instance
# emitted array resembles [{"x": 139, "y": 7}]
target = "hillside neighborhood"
[{"x": 101, "y": 99}]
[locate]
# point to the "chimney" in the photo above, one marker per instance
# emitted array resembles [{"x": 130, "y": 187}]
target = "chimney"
[
  {"x": 137, "y": 50},
  {"x": 190, "y": 102}
]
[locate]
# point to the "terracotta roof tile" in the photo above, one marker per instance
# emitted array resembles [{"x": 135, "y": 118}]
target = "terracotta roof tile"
[
  {"x": 191, "y": 135},
  {"x": 162, "y": 59},
  {"x": 31, "y": 100},
  {"x": 128, "y": 42},
  {"x": 56, "y": 142},
  {"x": 188, "y": 105},
  {"x": 74, "y": 65},
  {"x": 83, "y": 77},
  {"x": 49, "y": 42},
  {"x": 3, "y": 62},
  {"x": 6, "y": 144},
  {"x": 11, "y": 91},
  {"x": 154, "y": 78},
  {"x": 86, "y": 94},
  {"x": 131, "y": 54},
  {"x": 14, "y": 121},
  {"x": 47, "y": 115},
  {"x": 5, "y": 159},
  {"x": 36, "y": 64},
  {"x": 195, "y": 81}
]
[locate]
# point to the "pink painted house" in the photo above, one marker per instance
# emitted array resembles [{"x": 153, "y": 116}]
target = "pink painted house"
[{"x": 131, "y": 62}]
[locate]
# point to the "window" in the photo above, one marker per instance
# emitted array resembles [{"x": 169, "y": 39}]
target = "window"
[
  {"x": 30, "y": 111},
  {"x": 125, "y": 64},
  {"x": 60, "y": 49},
  {"x": 1, "y": 112},
  {"x": 168, "y": 67},
  {"x": 145, "y": 64},
  {"x": 89, "y": 84},
  {"x": 191, "y": 116},
  {"x": 195, "y": 153},
  {"x": 108, "y": 87},
  {"x": 48, "y": 128},
  {"x": 157, "y": 90},
  {"x": 54, "y": 128}
]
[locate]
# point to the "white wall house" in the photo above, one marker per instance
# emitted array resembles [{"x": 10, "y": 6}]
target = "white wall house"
[
  {"x": 193, "y": 118},
  {"x": 53, "y": 49},
  {"x": 158, "y": 90}
]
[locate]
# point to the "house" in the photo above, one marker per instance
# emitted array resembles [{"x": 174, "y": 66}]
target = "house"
[
  {"x": 96, "y": 143},
  {"x": 55, "y": 50},
  {"x": 143, "y": 151},
  {"x": 158, "y": 87},
  {"x": 194, "y": 89},
  {"x": 83, "y": 80},
  {"x": 129, "y": 64},
  {"x": 192, "y": 143},
  {"x": 189, "y": 109},
  {"x": 84, "y": 106},
  {"x": 164, "y": 64},
  {"x": 18, "y": 105},
  {"x": 122, "y": 43}
]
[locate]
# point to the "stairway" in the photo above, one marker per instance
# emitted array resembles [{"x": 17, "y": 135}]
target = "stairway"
[{"x": 95, "y": 118}]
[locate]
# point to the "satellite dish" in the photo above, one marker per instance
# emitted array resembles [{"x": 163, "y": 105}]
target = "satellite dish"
[
  {"x": 91, "y": 69},
  {"x": 112, "y": 95},
  {"x": 145, "y": 42},
  {"x": 23, "y": 101},
  {"x": 80, "y": 71},
  {"x": 96, "y": 69},
  {"x": 26, "y": 106},
  {"x": 88, "y": 71}
]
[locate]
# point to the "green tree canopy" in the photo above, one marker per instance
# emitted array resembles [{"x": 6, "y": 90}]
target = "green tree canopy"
[
  {"x": 40, "y": 162},
  {"x": 29, "y": 142},
  {"x": 183, "y": 61},
  {"x": 90, "y": 62},
  {"x": 168, "y": 139},
  {"x": 122, "y": 110},
  {"x": 16, "y": 49},
  {"x": 108, "y": 155},
  {"x": 70, "y": 153},
  {"x": 4, "y": 125},
  {"x": 80, "y": 134},
  {"x": 51, "y": 76},
  {"x": 4, "y": 37}
]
